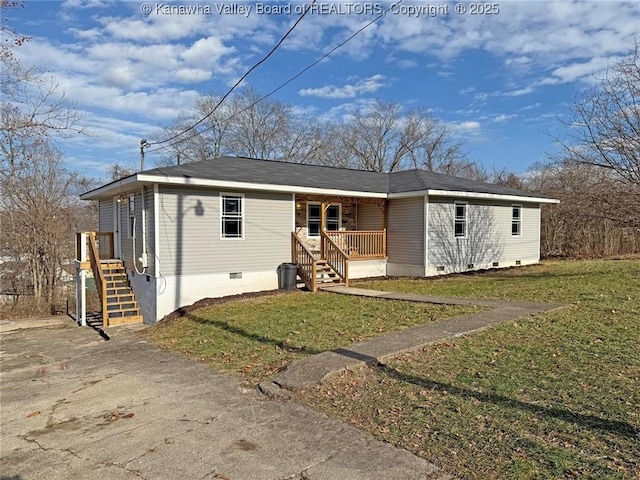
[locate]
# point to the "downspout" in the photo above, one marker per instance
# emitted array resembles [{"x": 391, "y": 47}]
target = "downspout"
[{"x": 143, "y": 258}]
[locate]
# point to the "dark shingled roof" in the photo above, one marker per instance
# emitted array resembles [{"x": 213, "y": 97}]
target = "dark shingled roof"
[
  {"x": 412, "y": 180},
  {"x": 251, "y": 170}
]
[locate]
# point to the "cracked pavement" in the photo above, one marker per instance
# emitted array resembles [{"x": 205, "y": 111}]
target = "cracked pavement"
[{"x": 74, "y": 406}]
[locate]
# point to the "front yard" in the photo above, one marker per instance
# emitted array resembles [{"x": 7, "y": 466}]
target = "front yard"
[
  {"x": 257, "y": 337},
  {"x": 553, "y": 396}
]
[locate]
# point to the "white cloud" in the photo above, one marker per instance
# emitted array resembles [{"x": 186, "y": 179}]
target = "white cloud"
[
  {"x": 583, "y": 70},
  {"x": 503, "y": 117},
  {"x": 519, "y": 92},
  {"x": 205, "y": 52},
  {"x": 469, "y": 126},
  {"x": 366, "y": 85}
]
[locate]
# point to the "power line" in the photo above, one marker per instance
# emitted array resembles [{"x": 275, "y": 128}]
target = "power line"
[
  {"x": 296, "y": 76},
  {"x": 264, "y": 59}
]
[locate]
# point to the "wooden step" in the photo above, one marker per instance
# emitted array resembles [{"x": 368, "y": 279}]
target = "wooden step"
[
  {"x": 125, "y": 297},
  {"x": 120, "y": 306},
  {"x": 112, "y": 322},
  {"x": 116, "y": 275},
  {"x": 122, "y": 312}
]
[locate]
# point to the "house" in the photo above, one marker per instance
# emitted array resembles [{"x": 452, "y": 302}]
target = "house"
[{"x": 177, "y": 234}]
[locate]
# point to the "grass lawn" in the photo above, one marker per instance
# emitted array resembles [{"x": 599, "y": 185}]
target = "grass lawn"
[
  {"x": 256, "y": 337},
  {"x": 552, "y": 396}
]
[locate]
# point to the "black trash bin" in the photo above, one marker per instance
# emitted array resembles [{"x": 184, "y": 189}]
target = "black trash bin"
[{"x": 287, "y": 276}]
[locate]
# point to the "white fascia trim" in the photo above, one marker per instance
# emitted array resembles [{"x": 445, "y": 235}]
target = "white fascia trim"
[
  {"x": 476, "y": 195},
  {"x": 107, "y": 191},
  {"x": 222, "y": 184}
]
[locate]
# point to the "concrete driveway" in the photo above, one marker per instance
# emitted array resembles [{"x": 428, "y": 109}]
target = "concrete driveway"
[{"x": 75, "y": 406}]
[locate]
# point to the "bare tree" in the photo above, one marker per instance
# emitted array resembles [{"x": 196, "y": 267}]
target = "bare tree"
[
  {"x": 36, "y": 208},
  {"x": 381, "y": 138},
  {"x": 595, "y": 216},
  {"x": 245, "y": 125},
  {"x": 604, "y": 128},
  {"x": 38, "y": 216}
]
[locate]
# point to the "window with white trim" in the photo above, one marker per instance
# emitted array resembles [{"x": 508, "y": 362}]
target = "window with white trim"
[
  {"x": 314, "y": 218},
  {"x": 231, "y": 216},
  {"x": 516, "y": 220},
  {"x": 460, "y": 219}
]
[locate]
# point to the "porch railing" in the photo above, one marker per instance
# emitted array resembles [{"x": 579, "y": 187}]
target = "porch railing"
[
  {"x": 103, "y": 242},
  {"x": 98, "y": 274},
  {"x": 335, "y": 257},
  {"x": 105, "y": 245},
  {"x": 361, "y": 243},
  {"x": 301, "y": 255}
]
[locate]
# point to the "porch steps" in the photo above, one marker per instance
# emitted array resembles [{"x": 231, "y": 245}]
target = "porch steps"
[
  {"x": 325, "y": 274},
  {"x": 122, "y": 307}
]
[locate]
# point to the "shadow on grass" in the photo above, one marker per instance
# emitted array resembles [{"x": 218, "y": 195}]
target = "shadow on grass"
[
  {"x": 622, "y": 429},
  {"x": 253, "y": 336}
]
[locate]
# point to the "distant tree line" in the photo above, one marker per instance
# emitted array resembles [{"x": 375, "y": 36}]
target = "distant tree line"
[{"x": 379, "y": 136}]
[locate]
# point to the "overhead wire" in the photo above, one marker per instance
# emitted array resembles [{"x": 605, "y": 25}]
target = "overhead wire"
[
  {"x": 235, "y": 85},
  {"x": 281, "y": 86}
]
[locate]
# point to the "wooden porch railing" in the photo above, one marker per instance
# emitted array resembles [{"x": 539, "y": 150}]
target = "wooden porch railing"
[
  {"x": 335, "y": 257},
  {"x": 301, "y": 255},
  {"x": 98, "y": 274},
  {"x": 105, "y": 245},
  {"x": 361, "y": 243},
  {"x": 103, "y": 241}
]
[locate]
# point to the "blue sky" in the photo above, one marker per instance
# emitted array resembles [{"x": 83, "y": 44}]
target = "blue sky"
[{"x": 500, "y": 81}]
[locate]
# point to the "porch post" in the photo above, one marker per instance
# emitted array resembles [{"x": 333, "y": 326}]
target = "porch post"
[
  {"x": 81, "y": 278},
  {"x": 385, "y": 209},
  {"x": 323, "y": 219},
  {"x": 81, "y": 312}
]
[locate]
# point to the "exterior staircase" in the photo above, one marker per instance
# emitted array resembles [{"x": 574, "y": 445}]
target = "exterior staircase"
[
  {"x": 120, "y": 302},
  {"x": 325, "y": 274}
]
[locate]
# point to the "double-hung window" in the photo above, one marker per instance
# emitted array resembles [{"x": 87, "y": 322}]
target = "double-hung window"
[
  {"x": 314, "y": 216},
  {"x": 460, "y": 219},
  {"x": 231, "y": 216},
  {"x": 516, "y": 220}
]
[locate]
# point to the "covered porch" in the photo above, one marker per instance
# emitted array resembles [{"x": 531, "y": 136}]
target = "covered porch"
[{"x": 333, "y": 232}]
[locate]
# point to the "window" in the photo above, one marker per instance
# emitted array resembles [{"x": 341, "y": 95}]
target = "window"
[
  {"x": 314, "y": 215},
  {"x": 332, "y": 220},
  {"x": 132, "y": 216},
  {"x": 313, "y": 219},
  {"x": 516, "y": 220},
  {"x": 460, "y": 222},
  {"x": 231, "y": 216}
]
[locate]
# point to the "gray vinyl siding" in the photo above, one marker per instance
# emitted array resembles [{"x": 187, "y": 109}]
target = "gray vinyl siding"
[
  {"x": 126, "y": 244},
  {"x": 190, "y": 237},
  {"x": 405, "y": 231},
  {"x": 105, "y": 215},
  {"x": 526, "y": 247},
  {"x": 370, "y": 217},
  {"x": 488, "y": 235}
]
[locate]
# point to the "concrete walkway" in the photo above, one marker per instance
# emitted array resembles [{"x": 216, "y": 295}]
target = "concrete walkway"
[
  {"x": 50, "y": 321},
  {"x": 312, "y": 370},
  {"x": 77, "y": 406}
]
